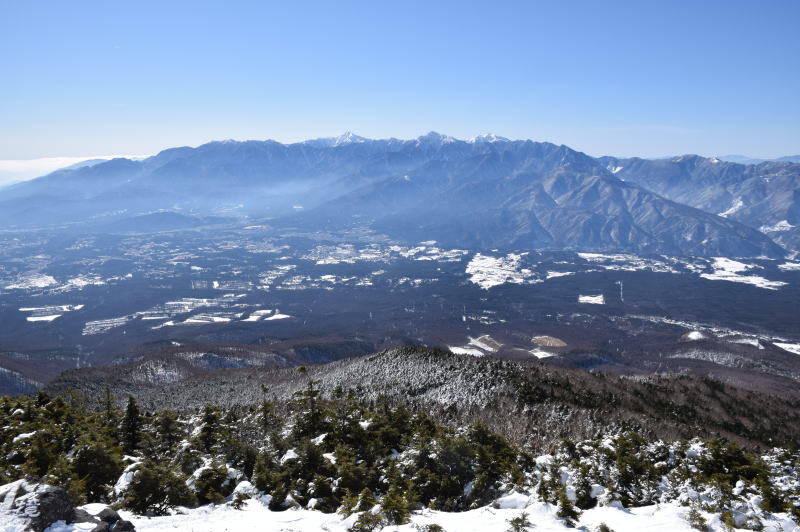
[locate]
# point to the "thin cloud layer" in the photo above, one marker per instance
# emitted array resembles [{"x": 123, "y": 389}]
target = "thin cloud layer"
[{"x": 15, "y": 170}]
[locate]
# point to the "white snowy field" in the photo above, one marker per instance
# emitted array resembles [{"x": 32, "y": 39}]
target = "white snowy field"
[
  {"x": 254, "y": 515},
  {"x": 731, "y": 270},
  {"x": 592, "y": 300}
]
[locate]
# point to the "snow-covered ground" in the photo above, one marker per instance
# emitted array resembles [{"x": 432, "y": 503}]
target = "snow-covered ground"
[
  {"x": 731, "y": 270},
  {"x": 694, "y": 335},
  {"x": 792, "y": 348},
  {"x": 254, "y": 515},
  {"x": 466, "y": 351},
  {"x": 487, "y": 271},
  {"x": 32, "y": 280},
  {"x": 592, "y": 300}
]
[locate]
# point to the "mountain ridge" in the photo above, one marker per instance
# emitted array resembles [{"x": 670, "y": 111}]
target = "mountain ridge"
[{"x": 487, "y": 192}]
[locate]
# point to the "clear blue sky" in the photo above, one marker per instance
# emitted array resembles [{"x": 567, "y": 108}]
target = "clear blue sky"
[{"x": 645, "y": 78}]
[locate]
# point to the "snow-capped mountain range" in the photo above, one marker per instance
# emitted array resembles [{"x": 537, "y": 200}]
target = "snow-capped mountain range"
[{"x": 484, "y": 192}]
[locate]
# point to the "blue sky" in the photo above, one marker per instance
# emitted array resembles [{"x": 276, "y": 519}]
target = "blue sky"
[{"x": 622, "y": 78}]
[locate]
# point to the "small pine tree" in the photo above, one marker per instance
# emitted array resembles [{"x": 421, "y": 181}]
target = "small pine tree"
[
  {"x": 109, "y": 410},
  {"x": 696, "y": 520},
  {"x": 211, "y": 485},
  {"x": 279, "y": 494},
  {"x": 168, "y": 431},
  {"x": 131, "y": 428},
  {"x": 62, "y": 475},
  {"x": 352, "y": 475},
  {"x": 368, "y": 522},
  {"x": 727, "y": 520},
  {"x": 268, "y": 418},
  {"x": 366, "y": 501},
  {"x": 770, "y": 500},
  {"x": 566, "y": 510},
  {"x": 521, "y": 523},
  {"x": 209, "y": 434},
  {"x": 263, "y": 477},
  {"x": 155, "y": 489},
  {"x": 98, "y": 463},
  {"x": 309, "y": 421},
  {"x": 395, "y": 505},
  {"x": 348, "y": 503},
  {"x": 238, "y": 501},
  {"x": 40, "y": 458}
]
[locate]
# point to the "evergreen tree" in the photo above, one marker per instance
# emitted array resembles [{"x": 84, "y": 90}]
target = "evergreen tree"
[
  {"x": 368, "y": 522},
  {"x": 279, "y": 494},
  {"x": 39, "y": 459},
  {"x": 62, "y": 474},
  {"x": 212, "y": 484},
  {"x": 566, "y": 510},
  {"x": 366, "y": 501},
  {"x": 131, "y": 428},
  {"x": 263, "y": 478},
  {"x": 155, "y": 489},
  {"x": 521, "y": 523},
  {"x": 110, "y": 413},
  {"x": 97, "y": 462},
  {"x": 348, "y": 503},
  {"x": 395, "y": 504},
  {"x": 168, "y": 431},
  {"x": 209, "y": 434},
  {"x": 352, "y": 474},
  {"x": 310, "y": 417}
]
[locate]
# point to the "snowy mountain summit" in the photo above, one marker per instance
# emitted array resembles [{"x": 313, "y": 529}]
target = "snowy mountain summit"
[{"x": 487, "y": 137}]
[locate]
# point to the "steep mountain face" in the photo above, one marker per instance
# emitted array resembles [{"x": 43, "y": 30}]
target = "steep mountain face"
[
  {"x": 764, "y": 196},
  {"x": 486, "y": 192}
]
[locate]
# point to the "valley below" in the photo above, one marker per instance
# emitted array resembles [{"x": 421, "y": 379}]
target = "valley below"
[{"x": 290, "y": 298}]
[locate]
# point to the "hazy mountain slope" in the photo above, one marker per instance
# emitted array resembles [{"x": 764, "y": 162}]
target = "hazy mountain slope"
[
  {"x": 551, "y": 402},
  {"x": 765, "y": 196},
  {"x": 487, "y": 192},
  {"x": 524, "y": 194}
]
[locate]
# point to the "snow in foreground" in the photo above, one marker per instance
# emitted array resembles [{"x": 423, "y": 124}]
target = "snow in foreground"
[{"x": 254, "y": 515}]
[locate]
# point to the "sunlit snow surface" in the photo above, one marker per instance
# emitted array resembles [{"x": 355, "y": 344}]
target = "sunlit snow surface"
[
  {"x": 466, "y": 351},
  {"x": 695, "y": 335},
  {"x": 487, "y": 271},
  {"x": 34, "y": 280},
  {"x": 254, "y": 515},
  {"x": 731, "y": 270},
  {"x": 783, "y": 225},
  {"x": 792, "y": 348},
  {"x": 48, "y": 313}
]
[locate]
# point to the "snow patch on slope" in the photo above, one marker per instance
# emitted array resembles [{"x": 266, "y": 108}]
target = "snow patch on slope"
[
  {"x": 487, "y": 271},
  {"x": 731, "y": 270}
]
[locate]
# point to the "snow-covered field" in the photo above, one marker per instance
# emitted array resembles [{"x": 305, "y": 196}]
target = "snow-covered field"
[
  {"x": 792, "y": 348},
  {"x": 254, "y": 515},
  {"x": 49, "y": 313},
  {"x": 731, "y": 270},
  {"x": 33, "y": 280},
  {"x": 487, "y": 271}
]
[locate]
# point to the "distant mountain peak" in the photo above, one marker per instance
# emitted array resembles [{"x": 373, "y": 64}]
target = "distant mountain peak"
[
  {"x": 487, "y": 137},
  {"x": 348, "y": 137},
  {"x": 433, "y": 136}
]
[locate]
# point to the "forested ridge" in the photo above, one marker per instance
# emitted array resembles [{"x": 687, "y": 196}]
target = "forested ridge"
[{"x": 339, "y": 452}]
